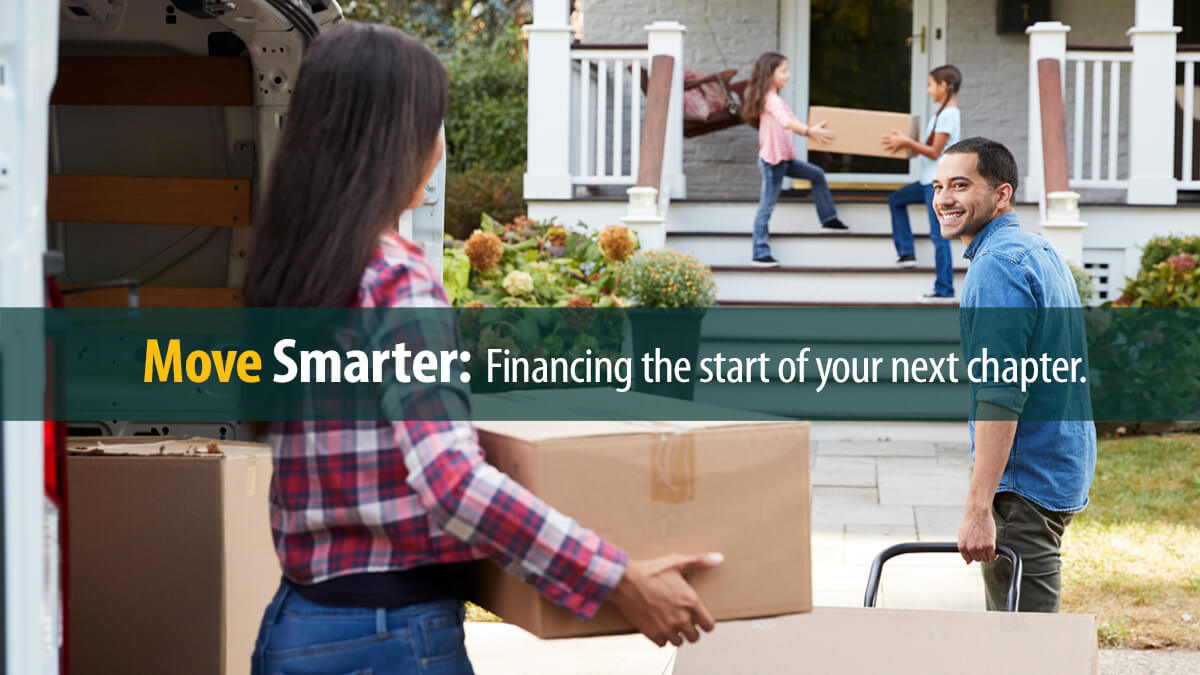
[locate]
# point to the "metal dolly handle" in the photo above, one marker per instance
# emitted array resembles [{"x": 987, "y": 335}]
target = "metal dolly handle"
[{"x": 1014, "y": 585}]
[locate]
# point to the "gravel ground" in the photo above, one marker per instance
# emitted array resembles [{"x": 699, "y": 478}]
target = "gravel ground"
[{"x": 1148, "y": 662}]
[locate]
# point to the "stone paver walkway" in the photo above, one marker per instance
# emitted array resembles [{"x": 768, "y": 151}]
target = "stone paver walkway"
[{"x": 868, "y": 495}]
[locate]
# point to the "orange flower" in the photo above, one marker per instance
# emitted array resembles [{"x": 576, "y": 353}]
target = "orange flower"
[
  {"x": 483, "y": 249},
  {"x": 617, "y": 242}
]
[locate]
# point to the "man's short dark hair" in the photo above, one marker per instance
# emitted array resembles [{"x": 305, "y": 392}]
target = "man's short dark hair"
[{"x": 995, "y": 163}]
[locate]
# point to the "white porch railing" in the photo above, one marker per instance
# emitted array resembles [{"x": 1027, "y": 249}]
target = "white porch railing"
[
  {"x": 1148, "y": 174},
  {"x": 604, "y": 153},
  {"x": 586, "y": 108},
  {"x": 1094, "y": 72},
  {"x": 1187, "y": 94}
]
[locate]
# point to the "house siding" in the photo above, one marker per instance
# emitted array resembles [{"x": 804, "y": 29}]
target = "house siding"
[{"x": 995, "y": 95}]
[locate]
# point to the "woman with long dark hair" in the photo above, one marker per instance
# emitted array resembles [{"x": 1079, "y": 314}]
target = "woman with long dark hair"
[{"x": 375, "y": 521}]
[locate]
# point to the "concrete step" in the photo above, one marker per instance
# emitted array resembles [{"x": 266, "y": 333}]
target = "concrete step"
[
  {"x": 825, "y": 249},
  {"x": 826, "y": 285},
  {"x": 789, "y": 216}
]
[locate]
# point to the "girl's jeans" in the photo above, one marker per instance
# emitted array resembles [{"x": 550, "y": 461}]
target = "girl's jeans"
[
  {"x": 898, "y": 202},
  {"x": 772, "y": 179},
  {"x": 299, "y": 637}
]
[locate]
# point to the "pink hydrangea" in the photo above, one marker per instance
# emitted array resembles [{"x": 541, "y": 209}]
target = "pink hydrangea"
[{"x": 1183, "y": 262}]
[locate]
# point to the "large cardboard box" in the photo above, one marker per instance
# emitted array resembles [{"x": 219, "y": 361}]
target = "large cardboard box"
[
  {"x": 653, "y": 488},
  {"x": 858, "y": 132},
  {"x": 846, "y": 640},
  {"x": 171, "y": 559}
]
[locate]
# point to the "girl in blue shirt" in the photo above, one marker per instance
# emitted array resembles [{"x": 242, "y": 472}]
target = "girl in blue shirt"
[{"x": 944, "y": 130}]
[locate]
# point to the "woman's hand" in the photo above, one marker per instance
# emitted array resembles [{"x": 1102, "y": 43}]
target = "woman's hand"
[
  {"x": 896, "y": 140},
  {"x": 823, "y": 135},
  {"x": 655, "y": 596}
]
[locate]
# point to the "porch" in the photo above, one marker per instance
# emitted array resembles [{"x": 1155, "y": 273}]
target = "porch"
[
  {"x": 587, "y": 146},
  {"x": 585, "y": 140}
]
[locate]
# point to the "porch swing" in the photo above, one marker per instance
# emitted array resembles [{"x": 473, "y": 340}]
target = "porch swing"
[{"x": 723, "y": 113}]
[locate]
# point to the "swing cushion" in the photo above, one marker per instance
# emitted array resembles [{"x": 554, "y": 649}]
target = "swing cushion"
[{"x": 699, "y": 102}]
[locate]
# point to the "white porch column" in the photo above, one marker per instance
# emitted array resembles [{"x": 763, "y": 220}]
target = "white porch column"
[
  {"x": 666, "y": 37},
  {"x": 1062, "y": 226},
  {"x": 1152, "y": 104},
  {"x": 547, "y": 154},
  {"x": 1047, "y": 40}
]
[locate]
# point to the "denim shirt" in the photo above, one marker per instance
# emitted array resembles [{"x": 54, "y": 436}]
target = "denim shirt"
[{"x": 1053, "y": 457}]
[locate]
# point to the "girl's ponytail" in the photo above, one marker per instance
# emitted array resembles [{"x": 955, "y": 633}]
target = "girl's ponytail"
[{"x": 953, "y": 79}]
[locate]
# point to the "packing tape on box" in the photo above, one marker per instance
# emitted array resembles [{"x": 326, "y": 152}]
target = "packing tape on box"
[{"x": 672, "y": 463}]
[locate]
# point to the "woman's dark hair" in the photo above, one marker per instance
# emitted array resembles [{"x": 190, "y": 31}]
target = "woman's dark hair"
[
  {"x": 760, "y": 84},
  {"x": 360, "y": 131},
  {"x": 953, "y": 79},
  {"x": 994, "y": 162}
]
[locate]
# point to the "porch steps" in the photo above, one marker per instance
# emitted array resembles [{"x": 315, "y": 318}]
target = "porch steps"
[
  {"x": 820, "y": 267},
  {"x": 792, "y": 215},
  {"x": 807, "y": 249},
  {"x": 840, "y": 285}
]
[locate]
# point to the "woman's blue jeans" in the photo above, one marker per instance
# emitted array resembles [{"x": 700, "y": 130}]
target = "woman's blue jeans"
[
  {"x": 299, "y": 637},
  {"x": 902, "y": 236},
  {"x": 772, "y": 180}
]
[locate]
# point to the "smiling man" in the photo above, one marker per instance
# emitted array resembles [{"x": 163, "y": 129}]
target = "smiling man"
[{"x": 1034, "y": 451}]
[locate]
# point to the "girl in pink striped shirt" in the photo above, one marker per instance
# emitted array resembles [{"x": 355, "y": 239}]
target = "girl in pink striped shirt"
[{"x": 765, "y": 110}]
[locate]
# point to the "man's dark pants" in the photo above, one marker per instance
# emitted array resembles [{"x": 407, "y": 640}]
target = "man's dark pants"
[{"x": 1036, "y": 534}]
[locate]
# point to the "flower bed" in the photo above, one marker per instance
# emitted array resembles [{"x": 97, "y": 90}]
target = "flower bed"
[{"x": 527, "y": 263}]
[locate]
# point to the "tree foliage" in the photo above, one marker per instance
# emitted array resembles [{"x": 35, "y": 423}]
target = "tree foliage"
[
  {"x": 479, "y": 42},
  {"x": 436, "y": 21}
]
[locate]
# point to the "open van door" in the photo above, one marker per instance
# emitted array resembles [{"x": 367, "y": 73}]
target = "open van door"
[
  {"x": 29, "y": 548},
  {"x": 273, "y": 35}
]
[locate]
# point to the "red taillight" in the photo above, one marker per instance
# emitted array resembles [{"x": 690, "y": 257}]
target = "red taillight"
[
  {"x": 54, "y": 450},
  {"x": 54, "y": 517}
]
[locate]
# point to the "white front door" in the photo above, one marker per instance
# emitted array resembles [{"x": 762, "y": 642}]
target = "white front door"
[{"x": 865, "y": 54}]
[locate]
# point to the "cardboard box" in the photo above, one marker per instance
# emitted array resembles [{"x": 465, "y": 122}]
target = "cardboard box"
[
  {"x": 837, "y": 640},
  {"x": 859, "y": 132},
  {"x": 171, "y": 558},
  {"x": 738, "y": 488}
]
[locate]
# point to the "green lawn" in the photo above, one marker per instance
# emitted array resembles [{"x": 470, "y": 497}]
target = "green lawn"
[
  {"x": 477, "y": 613},
  {"x": 1133, "y": 557}
]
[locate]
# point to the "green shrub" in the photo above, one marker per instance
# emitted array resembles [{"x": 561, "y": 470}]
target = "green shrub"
[
  {"x": 1084, "y": 283},
  {"x": 669, "y": 278},
  {"x": 1160, "y": 248},
  {"x": 474, "y": 192},
  {"x": 1174, "y": 282},
  {"x": 485, "y": 125}
]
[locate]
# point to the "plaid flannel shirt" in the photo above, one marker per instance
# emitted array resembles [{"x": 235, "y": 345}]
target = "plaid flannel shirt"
[{"x": 352, "y": 497}]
